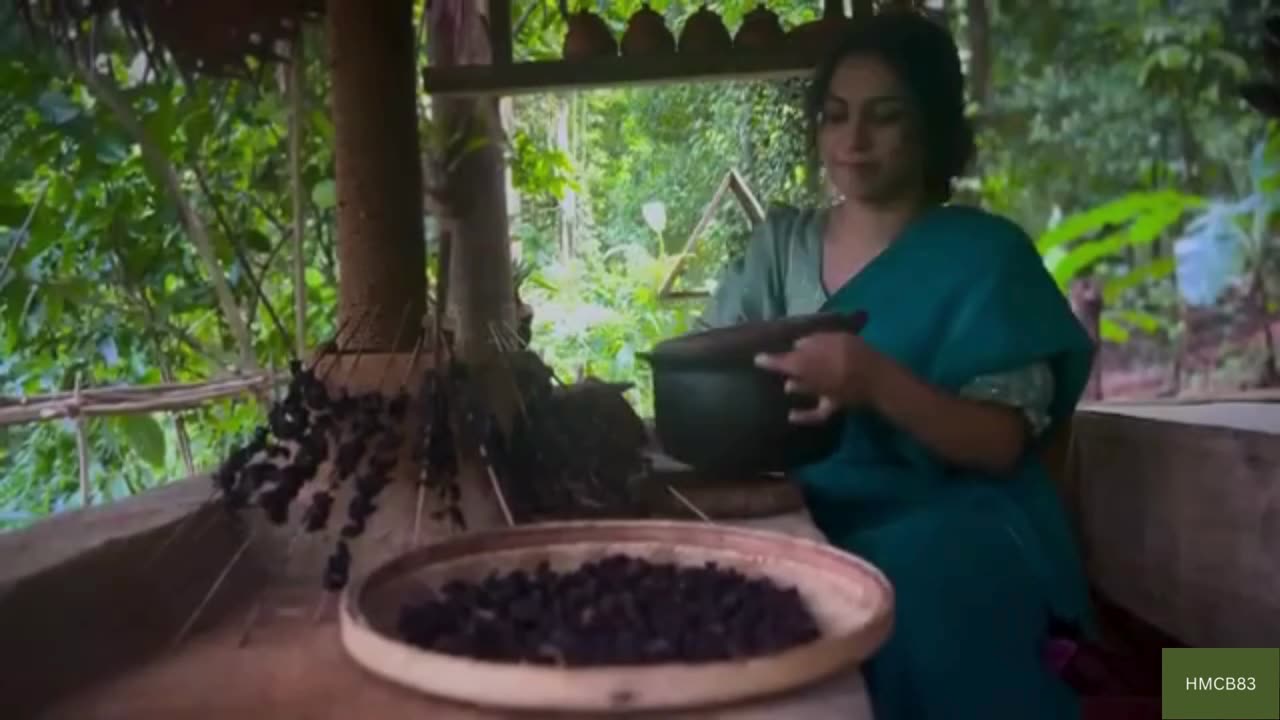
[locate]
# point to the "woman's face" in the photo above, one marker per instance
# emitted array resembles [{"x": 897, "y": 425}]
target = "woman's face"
[{"x": 868, "y": 135}]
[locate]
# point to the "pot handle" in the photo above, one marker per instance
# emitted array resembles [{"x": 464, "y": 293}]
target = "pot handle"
[
  {"x": 839, "y": 322},
  {"x": 856, "y": 322}
]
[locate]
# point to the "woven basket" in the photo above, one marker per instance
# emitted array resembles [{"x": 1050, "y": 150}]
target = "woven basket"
[{"x": 851, "y": 600}]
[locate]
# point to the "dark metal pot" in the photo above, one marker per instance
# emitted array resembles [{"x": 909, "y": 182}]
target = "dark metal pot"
[{"x": 716, "y": 411}]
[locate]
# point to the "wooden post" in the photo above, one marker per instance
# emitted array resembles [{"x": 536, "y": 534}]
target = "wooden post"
[
  {"x": 381, "y": 244},
  {"x": 480, "y": 277},
  {"x": 500, "y": 31},
  {"x": 473, "y": 194}
]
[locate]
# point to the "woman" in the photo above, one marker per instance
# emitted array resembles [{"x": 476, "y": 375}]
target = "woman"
[{"x": 970, "y": 357}]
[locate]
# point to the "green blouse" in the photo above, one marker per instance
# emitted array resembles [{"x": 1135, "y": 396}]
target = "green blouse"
[{"x": 781, "y": 274}]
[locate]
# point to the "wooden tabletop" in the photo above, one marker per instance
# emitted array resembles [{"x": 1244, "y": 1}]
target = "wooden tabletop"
[{"x": 294, "y": 667}]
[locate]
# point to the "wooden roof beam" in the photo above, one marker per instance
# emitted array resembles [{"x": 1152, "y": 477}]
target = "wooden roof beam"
[{"x": 558, "y": 75}]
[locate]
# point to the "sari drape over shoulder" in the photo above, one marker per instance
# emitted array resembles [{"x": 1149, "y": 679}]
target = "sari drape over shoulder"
[{"x": 980, "y": 564}]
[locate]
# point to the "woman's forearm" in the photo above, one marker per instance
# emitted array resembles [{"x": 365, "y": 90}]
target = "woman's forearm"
[{"x": 968, "y": 433}]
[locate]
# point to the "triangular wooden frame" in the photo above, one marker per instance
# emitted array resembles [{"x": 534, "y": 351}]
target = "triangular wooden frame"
[{"x": 746, "y": 200}]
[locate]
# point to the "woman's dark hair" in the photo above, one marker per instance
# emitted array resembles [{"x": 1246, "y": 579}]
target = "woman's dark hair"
[{"x": 925, "y": 59}]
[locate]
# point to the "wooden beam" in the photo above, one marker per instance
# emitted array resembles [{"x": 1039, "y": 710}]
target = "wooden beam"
[
  {"x": 732, "y": 182},
  {"x": 553, "y": 75},
  {"x": 500, "y": 39}
]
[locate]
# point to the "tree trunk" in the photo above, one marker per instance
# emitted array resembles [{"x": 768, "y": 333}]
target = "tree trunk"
[
  {"x": 381, "y": 248},
  {"x": 482, "y": 292}
]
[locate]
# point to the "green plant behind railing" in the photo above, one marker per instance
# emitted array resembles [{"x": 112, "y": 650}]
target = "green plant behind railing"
[
  {"x": 1103, "y": 238},
  {"x": 595, "y": 312}
]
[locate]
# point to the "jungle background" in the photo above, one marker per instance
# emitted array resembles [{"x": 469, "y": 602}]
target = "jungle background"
[{"x": 1110, "y": 130}]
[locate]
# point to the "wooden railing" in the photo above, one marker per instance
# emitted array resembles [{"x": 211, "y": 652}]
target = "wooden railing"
[{"x": 83, "y": 403}]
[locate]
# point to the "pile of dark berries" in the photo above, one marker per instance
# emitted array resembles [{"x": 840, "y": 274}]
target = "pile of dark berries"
[{"x": 617, "y": 611}]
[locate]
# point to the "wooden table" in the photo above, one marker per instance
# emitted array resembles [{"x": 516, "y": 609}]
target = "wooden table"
[{"x": 294, "y": 667}]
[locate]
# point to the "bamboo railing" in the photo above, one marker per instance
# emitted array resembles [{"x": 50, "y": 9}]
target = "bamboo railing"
[{"x": 83, "y": 403}]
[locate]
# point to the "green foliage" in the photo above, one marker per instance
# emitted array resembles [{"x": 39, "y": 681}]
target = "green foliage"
[
  {"x": 1133, "y": 221},
  {"x": 1109, "y": 127},
  {"x": 596, "y": 311},
  {"x": 106, "y": 285}
]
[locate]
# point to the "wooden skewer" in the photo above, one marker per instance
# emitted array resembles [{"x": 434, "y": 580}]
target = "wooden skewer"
[
  {"x": 177, "y": 530},
  {"x": 82, "y": 449},
  {"x": 497, "y": 487},
  {"x": 326, "y": 348},
  {"x": 510, "y": 373},
  {"x": 337, "y": 346},
  {"x": 679, "y": 496},
  {"x": 256, "y": 610},
  {"x": 213, "y": 590},
  {"x": 395, "y": 345},
  {"x": 417, "y": 518},
  {"x": 413, "y": 360}
]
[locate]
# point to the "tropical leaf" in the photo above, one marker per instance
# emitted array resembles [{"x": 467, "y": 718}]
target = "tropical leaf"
[
  {"x": 1112, "y": 332},
  {"x": 1157, "y": 269},
  {"x": 145, "y": 437},
  {"x": 1130, "y": 208}
]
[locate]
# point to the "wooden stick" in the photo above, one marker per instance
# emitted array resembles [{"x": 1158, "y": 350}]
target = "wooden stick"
[
  {"x": 252, "y": 620},
  {"x": 337, "y": 353},
  {"x": 330, "y": 347},
  {"x": 19, "y": 236},
  {"x": 395, "y": 349},
  {"x": 82, "y": 450},
  {"x": 126, "y": 392},
  {"x": 222, "y": 577},
  {"x": 497, "y": 487},
  {"x": 413, "y": 360},
  {"x": 237, "y": 247},
  {"x": 689, "y": 504},
  {"x": 296, "y": 79},
  {"x": 177, "y": 530},
  {"x": 510, "y": 372},
  {"x": 89, "y": 406},
  {"x": 417, "y": 518}
]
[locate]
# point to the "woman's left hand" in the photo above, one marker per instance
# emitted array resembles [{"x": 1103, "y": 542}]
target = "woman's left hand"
[{"x": 839, "y": 368}]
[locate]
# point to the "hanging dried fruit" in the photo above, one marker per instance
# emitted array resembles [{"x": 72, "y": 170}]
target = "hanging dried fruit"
[
  {"x": 761, "y": 30},
  {"x": 647, "y": 34},
  {"x": 588, "y": 37},
  {"x": 704, "y": 32}
]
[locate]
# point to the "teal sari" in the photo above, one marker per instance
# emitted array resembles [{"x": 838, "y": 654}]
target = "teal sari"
[{"x": 980, "y": 565}]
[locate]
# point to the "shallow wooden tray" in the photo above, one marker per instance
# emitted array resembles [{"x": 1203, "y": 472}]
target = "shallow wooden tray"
[{"x": 853, "y": 603}]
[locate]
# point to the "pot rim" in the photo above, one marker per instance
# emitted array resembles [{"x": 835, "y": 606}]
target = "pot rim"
[{"x": 738, "y": 344}]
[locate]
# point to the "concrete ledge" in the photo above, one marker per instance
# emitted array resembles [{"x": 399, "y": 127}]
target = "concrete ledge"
[
  {"x": 89, "y": 592},
  {"x": 1181, "y": 524}
]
